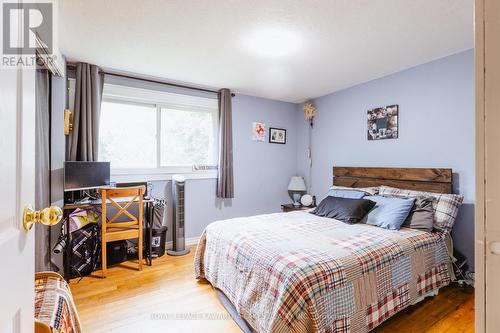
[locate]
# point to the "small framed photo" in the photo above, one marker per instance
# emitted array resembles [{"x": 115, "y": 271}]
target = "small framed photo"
[
  {"x": 258, "y": 131},
  {"x": 277, "y": 135}
]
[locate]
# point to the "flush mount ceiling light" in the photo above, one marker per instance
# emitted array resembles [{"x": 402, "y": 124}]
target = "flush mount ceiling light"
[{"x": 273, "y": 42}]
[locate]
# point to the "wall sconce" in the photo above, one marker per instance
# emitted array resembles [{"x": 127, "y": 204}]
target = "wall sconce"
[{"x": 68, "y": 126}]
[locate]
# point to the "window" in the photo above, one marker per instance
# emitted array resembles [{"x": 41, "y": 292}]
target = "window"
[
  {"x": 146, "y": 131},
  {"x": 187, "y": 137},
  {"x": 127, "y": 135}
]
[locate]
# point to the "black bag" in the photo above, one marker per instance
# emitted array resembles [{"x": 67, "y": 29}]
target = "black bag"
[
  {"x": 158, "y": 212},
  {"x": 116, "y": 252},
  {"x": 86, "y": 248}
]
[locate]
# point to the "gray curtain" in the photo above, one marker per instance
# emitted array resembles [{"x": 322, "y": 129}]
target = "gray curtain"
[
  {"x": 84, "y": 138},
  {"x": 42, "y": 167},
  {"x": 225, "y": 182}
]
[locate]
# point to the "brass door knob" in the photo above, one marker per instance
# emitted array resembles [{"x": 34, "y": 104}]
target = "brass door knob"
[{"x": 47, "y": 216}]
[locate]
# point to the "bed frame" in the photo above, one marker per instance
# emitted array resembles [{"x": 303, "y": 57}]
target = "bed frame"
[{"x": 419, "y": 179}]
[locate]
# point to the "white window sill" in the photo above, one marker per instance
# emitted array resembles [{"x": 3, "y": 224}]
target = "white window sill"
[{"x": 122, "y": 176}]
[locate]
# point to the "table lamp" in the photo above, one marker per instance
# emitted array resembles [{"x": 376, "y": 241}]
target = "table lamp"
[{"x": 296, "y": 188}]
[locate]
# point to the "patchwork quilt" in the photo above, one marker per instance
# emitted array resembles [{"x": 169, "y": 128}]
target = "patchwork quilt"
[{"x": 297, "y": 272}]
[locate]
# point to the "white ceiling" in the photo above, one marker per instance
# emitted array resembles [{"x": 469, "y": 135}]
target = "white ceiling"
[{"x": 336, "y": 43}]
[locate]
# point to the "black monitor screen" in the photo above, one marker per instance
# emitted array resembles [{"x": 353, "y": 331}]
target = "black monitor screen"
[{"x": 84, "y": 175}]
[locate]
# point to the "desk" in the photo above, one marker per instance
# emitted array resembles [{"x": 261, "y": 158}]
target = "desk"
[{"x": 98, "y": 203}]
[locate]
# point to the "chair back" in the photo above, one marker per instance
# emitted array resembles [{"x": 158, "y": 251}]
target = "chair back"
[
  {"x": 111, "y": 230},
  {"x": 133, "y": 194}
]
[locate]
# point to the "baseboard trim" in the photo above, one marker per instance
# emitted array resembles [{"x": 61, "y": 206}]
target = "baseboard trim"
[{"x": 189, "y": 242}]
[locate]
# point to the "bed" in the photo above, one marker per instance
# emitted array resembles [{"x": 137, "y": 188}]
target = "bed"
[{"x": 298, "y": 272}]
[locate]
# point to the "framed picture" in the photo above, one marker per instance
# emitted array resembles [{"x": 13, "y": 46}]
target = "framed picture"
[
  {"x": 383, "y": 123},
  {"x": 277, "y": 135},
  {"x": 258, "y": 131}
]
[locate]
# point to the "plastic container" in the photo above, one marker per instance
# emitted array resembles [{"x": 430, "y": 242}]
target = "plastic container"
[{"x": 158, "y": 240}]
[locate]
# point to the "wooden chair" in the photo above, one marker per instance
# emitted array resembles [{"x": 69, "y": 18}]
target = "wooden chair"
[{"x": 112, "y": 230}]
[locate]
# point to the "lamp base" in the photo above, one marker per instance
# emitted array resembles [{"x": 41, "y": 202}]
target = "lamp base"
[{"x": 296, "y": 199}]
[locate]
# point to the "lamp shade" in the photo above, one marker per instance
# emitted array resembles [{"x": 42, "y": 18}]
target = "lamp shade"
[{"x": 297, "y": 184}]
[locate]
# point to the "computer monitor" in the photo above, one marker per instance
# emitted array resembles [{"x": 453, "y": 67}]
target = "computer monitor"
[{"x": 85, "y": 175}]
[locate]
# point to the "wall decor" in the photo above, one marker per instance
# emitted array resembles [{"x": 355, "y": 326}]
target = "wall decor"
[
  {"x": 309, "y": 112},
  {"x": 383, "y": 123},
  {"x": 277, "y": 135},
  {"x": 258, "y": 131}
]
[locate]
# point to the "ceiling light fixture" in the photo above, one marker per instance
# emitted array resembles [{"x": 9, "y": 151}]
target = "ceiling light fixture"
[{"x": 273, "y": 42}]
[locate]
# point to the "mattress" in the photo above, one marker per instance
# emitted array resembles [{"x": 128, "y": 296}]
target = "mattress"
[{"x": 297, "y": 272}]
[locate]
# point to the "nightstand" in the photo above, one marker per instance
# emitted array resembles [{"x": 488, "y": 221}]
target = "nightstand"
[{"x": 290, "y": 208}]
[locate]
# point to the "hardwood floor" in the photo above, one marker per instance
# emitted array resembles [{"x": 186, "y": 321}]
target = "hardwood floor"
[
  {"x": 167, "y": 298},
  {"x": 451, "y": 311}
]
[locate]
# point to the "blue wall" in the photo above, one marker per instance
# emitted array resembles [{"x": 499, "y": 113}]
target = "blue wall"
[
  {"x": 262, "y": 170},
  {"x": 436, "y": 129}
]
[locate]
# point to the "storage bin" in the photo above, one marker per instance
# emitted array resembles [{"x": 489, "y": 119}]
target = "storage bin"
[{"x": 158, "y": 240}]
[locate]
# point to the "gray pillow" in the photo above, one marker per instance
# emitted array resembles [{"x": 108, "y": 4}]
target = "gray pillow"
[{"x": 421, "y": 217}]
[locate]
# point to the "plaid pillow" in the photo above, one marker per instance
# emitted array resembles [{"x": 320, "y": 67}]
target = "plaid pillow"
[{"x": 445, "y": 205}]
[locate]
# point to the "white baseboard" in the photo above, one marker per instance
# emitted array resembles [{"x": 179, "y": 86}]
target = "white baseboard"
[{"x": 189, "y": 242}]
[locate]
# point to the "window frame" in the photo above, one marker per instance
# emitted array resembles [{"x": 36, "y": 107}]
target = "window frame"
[{"x": 159, "y": 100}]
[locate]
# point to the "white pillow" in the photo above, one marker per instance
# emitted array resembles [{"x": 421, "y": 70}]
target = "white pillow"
[{"x": 367, "y": 190}]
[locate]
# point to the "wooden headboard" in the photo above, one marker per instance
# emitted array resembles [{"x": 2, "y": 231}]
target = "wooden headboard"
[{"x": 419, "y": 179}]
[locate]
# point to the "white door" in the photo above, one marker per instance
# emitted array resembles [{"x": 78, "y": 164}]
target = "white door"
[
  {"x": 488, "y": 166},
  {"x": 17, "y": 184},
  {"x": 492, "y": 164}
]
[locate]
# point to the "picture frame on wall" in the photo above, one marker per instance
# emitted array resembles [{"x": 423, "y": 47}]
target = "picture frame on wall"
[
  {"x": 277, "y": 135},
  {"x": 258, "y": 131},
  {"x": 383, "y": 123}
]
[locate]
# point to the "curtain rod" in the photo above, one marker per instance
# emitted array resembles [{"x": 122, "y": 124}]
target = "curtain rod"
[{"x": 154, "y": 81}]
